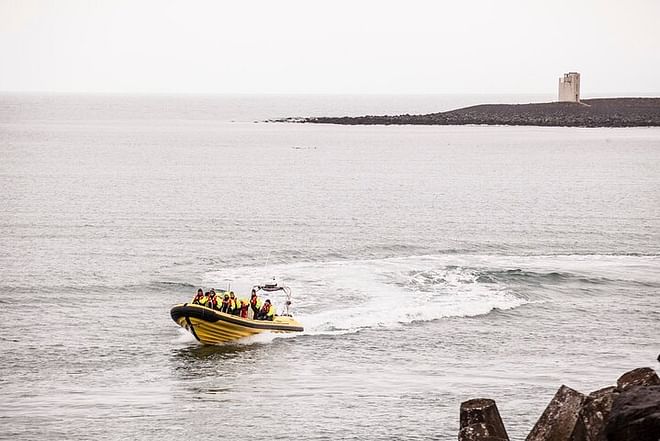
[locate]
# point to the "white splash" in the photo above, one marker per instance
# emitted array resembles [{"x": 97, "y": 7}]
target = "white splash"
[{"x": 346, "y": 296}]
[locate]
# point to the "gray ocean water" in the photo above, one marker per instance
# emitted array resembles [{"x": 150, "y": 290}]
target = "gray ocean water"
[{"x": 429, "y": 265}]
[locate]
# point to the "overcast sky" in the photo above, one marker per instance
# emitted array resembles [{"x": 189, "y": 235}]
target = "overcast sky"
[{"x": 250, "y": 46}]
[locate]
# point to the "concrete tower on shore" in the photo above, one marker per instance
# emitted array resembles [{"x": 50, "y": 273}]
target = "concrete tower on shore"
[{"x": 569, "y": 87}]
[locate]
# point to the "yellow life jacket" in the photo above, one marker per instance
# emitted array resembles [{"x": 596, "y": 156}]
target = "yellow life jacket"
[{"x": 233, "y": 301}]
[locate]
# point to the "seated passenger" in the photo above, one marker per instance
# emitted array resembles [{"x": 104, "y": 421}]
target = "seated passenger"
[
  {"x": 225, "y": 304},
  {"x": 198, "y": 297},
  {"x": 234, "y": 307},
  {"x": 267, "y": 312},
  {"x": 208, "y": 299},
  {"x": 243, "y": 308},
  {"x": 271, "y": 313},
  {"x": 204, "y": 299},
  {"x": 255, "y": 304},
  {"x": 212, "y": 301}
]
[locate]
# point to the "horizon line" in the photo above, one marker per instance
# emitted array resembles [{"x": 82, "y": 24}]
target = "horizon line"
[{"x": 641, "y": 94}]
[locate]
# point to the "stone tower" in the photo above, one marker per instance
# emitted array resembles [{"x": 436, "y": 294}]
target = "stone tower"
[{"x": 569, "y": 87}]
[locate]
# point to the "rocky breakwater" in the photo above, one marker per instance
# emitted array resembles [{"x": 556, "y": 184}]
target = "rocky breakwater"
[
  {"x": 629, "y": 411},
  {"x": 605, "y": 112}
]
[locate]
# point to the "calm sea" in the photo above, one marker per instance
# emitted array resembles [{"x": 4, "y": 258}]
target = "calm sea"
[{"x": 429, "y": 265}]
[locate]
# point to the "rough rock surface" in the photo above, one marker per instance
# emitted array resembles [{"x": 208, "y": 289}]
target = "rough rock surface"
[
  {"x": 635, "y": 415},
  {"x": 590, "y": 425},
  {"x": 638, "y": 377},
  {"x": 480, "y": 421},
  {"x": 560, "y": 417},
  {"x": 479, "y": 432},
  {"x": 605, "y": 112}
]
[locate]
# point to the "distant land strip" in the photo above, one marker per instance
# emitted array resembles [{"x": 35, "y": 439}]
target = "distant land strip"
[{"x": 601, "y": 112}]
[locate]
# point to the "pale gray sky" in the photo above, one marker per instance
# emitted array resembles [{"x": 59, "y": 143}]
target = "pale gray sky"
[{"x": 302, "y": 46}]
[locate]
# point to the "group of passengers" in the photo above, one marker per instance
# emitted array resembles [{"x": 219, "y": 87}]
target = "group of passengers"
[{"x": 227, "y": 302}]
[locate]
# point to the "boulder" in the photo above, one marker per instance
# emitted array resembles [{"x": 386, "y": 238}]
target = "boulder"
[
  {"x": 479, "y": 432},
  {"x": 638, "y": 377},
  {"x": 590, "y": 425},
  {"x": 635, "y": 415},
  {"x": 480, "y": 421},
  {"x": 560, "y": 417}
]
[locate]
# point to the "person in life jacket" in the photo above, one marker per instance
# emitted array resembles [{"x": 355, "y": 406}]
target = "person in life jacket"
[
  {"x": 255, "y": 304},
  {"x": 225, "y": 304},
  {"x": 267, "y": 311},
  {"x": 243, "y": 308},
  {"x": 198, "y": 297},
  {"x": 271, "y": 313},
  {"x": 205, "y": 299},
  {"x": 234, "y": 307},
  {"x": 208, "y": 299},
  {"x": 212, "y": 301}
]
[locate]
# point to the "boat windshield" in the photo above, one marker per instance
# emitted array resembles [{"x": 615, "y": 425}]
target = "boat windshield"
[{"x": 274, "y": 287}]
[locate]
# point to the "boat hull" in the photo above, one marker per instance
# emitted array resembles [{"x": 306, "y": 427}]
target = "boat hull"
[{"x": 213, "y": 327}]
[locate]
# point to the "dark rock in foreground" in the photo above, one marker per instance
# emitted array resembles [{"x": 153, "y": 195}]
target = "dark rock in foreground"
[
  {"x": 638, "y": 377},
  {"x": 595, "y": 411},
  {"x": 603, "y": 112},
  {"x": 635, "y": 415},
  {"x": 560, "y": 417},
  {"x": 629, "y": 411},
  {"x": 480, "y": 421}
]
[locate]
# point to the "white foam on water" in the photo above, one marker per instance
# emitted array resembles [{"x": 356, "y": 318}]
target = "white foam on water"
[
  {"x": 263, "y": 338},
  {"x": 184, "y": 337},
  {"x": 346, "y": 296}
]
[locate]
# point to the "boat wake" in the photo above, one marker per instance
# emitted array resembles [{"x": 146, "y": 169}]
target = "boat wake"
[{"x": 348, "y": 296}]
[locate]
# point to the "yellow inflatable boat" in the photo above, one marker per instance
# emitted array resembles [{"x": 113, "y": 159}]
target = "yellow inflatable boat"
[{"x": 210, "y": 326}]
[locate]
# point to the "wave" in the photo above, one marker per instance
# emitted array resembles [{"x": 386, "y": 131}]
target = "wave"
[
  {"x": 542, "y": 278},
  {"x": 519, "y": 275},
  {"x": 344, "y": 295},
  {"x": 590, "y": 269},
  {"x": 170, "y": 285},
  {"x": 348, "y": 296}
]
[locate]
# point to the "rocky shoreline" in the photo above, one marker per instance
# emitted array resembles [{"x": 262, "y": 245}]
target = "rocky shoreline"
[
  {"x": 601, "y": 112},
  {"x": 629, "y": 411}
]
